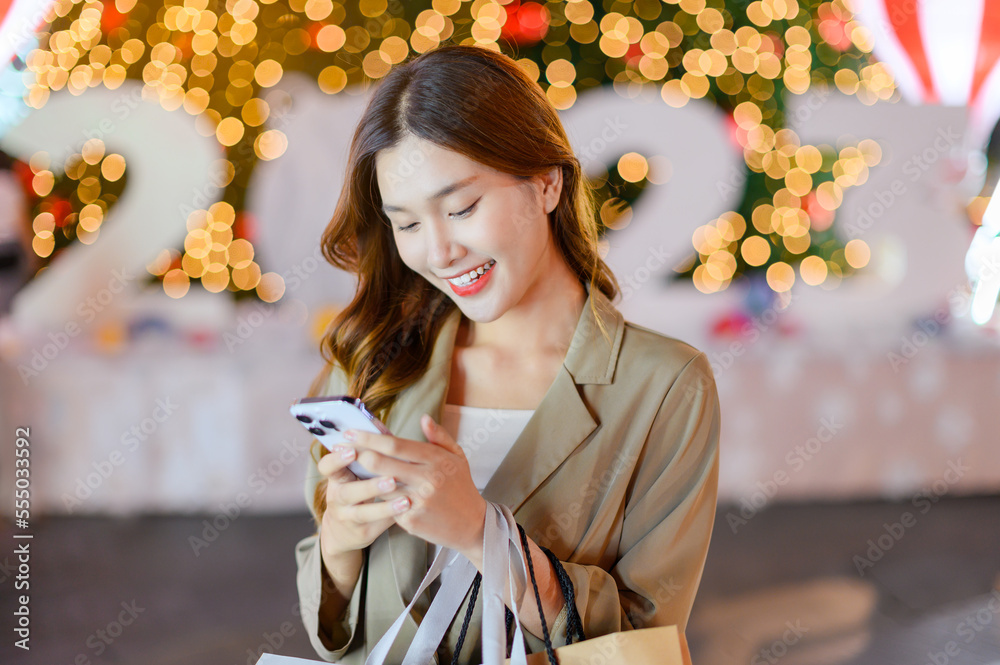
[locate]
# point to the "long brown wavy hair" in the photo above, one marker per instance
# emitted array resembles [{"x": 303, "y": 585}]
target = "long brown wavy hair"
[{"x": 475, "y": 102}]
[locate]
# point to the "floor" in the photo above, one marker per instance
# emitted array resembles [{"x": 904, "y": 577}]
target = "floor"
[{"x": 795, "y": 584}]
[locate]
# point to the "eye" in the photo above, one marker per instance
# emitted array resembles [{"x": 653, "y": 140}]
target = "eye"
[
  {"x": 467, "y": 211},
  {"x": 406, "y": 229}
]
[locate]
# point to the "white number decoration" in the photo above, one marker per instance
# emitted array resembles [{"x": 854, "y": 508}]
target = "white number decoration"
[
  {"x": 171, "y": 170},
  {"x": 705, "y": 180},
  {"x": 908, "y": 212}
]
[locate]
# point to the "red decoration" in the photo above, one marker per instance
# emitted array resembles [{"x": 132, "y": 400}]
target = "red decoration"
[
  {"x": 183, "y": 42},
  {"x": 832, "y": 28},
  {"x": 820, "y": 218},
  {"x": 736, "y": 134},
  {"x": 777, "y": 43},
  {"x": 313, "y": 31},
  {"x": 633, "y": 54},
  {"x": 111, "y": 18},
  {"x": 245, "y": 226},
  {"x": 730, "y": 325},
  {"x": 25, "y": 175},
  {"x": 526, "y": 23},
  {"x": 59, "y": 207}
]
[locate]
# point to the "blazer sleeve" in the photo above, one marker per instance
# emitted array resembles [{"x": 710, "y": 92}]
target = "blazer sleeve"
[
  {"x": 669, "y": 515},
  {"x": 330, "y": 642}
]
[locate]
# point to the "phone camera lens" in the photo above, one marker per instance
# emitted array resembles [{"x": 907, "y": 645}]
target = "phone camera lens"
[
  {"x": 318, "y": 431},
  {"x": 327, "y": 423},
  {"x": 305, "y": 419}
]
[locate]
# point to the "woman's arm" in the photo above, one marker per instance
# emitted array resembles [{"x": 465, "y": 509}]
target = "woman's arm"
[
  {"x": 339, "y": 577},
  {"x": 549, "y": 590},
  {"x": 331, "y": 632},
  {"x": 330, "y": 596}
]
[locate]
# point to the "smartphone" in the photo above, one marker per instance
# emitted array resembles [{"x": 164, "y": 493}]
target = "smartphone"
[{"x": 326, "y": 418}]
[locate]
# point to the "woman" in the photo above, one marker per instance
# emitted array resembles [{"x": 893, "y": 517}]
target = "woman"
[{"x": 483, "y": 314}]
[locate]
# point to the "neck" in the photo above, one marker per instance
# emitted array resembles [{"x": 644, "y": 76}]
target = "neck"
[{"x": 542, "y": 322}]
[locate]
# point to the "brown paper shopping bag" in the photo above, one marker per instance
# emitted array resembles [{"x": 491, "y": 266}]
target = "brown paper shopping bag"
[{"x": 662, "y": 645}]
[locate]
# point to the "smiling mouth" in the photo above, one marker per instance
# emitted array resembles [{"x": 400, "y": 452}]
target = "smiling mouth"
[{"x": 473, "y": 275}]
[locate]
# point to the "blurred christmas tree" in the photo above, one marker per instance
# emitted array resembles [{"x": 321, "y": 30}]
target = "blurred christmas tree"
[{"x": 219, "y": 60}]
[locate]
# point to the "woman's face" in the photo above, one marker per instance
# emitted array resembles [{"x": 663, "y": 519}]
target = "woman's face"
[{"x": 451, "y": 215}]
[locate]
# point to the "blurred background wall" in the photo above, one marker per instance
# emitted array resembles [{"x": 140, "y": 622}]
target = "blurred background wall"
[{"x": 801, "y": 189}]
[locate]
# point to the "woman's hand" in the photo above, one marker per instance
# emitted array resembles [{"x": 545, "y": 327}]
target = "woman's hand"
[
  {"x": 354, "y": 517},
  {"x": 446, "y": 508}
]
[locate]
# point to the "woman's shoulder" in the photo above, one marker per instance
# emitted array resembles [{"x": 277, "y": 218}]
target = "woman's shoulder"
[
  {"x": 647, "y": 344},
  {"x": 653, "y": 357}
]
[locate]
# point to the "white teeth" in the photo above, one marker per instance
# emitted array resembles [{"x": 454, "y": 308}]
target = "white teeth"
[{"x": 472, "y": 275}]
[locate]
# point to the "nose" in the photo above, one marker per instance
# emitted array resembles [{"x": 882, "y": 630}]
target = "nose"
[{"x": 442, "y": 250}]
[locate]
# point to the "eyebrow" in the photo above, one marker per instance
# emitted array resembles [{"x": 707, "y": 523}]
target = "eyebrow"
[{"x": 440, "y": 194}]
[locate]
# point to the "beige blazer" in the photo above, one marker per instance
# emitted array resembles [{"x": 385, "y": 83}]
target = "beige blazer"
[{"x": 616, "y": 472}]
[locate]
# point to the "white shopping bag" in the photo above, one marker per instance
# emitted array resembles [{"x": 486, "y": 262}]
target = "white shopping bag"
[
  {"x": 501, "y": 548},
  {"x": 274, "y": 659}
]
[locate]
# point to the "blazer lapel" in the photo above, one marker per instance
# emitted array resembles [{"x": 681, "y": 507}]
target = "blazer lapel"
[
  {"x": 563, "y": 420},
  {"x": 558, "y": 426}
]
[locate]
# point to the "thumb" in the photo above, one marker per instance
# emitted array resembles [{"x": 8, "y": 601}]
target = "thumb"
[
  {"x": 429, "y": 426},
  {"x": 437, "y": 434}
]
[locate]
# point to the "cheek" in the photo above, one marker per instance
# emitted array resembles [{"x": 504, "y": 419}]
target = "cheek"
[{"x": 410, "y": 253}]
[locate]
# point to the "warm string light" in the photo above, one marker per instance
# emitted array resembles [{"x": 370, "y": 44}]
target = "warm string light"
[
  {"x": 72, "y": 205},
  {"x": 221, "y": 62}
]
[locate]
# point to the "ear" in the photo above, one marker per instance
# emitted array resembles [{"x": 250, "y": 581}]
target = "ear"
[{"x": 551, "y": 188}]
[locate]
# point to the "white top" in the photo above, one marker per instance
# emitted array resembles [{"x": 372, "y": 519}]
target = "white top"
[{"x": 486, "y": 436}]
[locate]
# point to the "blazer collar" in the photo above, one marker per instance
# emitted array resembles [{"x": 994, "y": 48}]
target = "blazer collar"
[{"x": 557, "y": 427}]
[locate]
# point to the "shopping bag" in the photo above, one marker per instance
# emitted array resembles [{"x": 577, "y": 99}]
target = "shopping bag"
[
  {"x": 662, "y": 645},
  {"x": 275, "y": 659},
  {"x": 505, "y": 553}
]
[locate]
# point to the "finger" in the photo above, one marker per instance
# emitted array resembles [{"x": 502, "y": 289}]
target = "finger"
[
  {"x": 333, "y": 463},
  {"x": 366, "y": 490},
  {"x": 437, "y": 434},
  {"x": 416, "y": 452},
  {"x": 363, "y": 513},
  {"x": 405, "y": 473}
]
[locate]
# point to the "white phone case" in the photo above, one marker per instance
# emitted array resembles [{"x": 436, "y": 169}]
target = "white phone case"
[{"x": 327, "y": 417}]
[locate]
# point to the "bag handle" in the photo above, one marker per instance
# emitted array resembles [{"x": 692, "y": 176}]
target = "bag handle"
[
  {"x": 574, "y": 625},
  {"x": 573, "y": 621},
  {"x": 497, "y": 541}
]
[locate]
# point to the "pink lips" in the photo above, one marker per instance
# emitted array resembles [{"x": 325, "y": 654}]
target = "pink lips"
[{"x": 475, "y": 287}]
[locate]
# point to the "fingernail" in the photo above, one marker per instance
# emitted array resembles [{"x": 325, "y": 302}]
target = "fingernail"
[
  {"x": 336, "y": 449},
  {"x": 387, "y": 484},
  {"x": 349, "y": 435},
  {"x": 348, "y": 453},
  {"x": 401, "y": 504}
]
